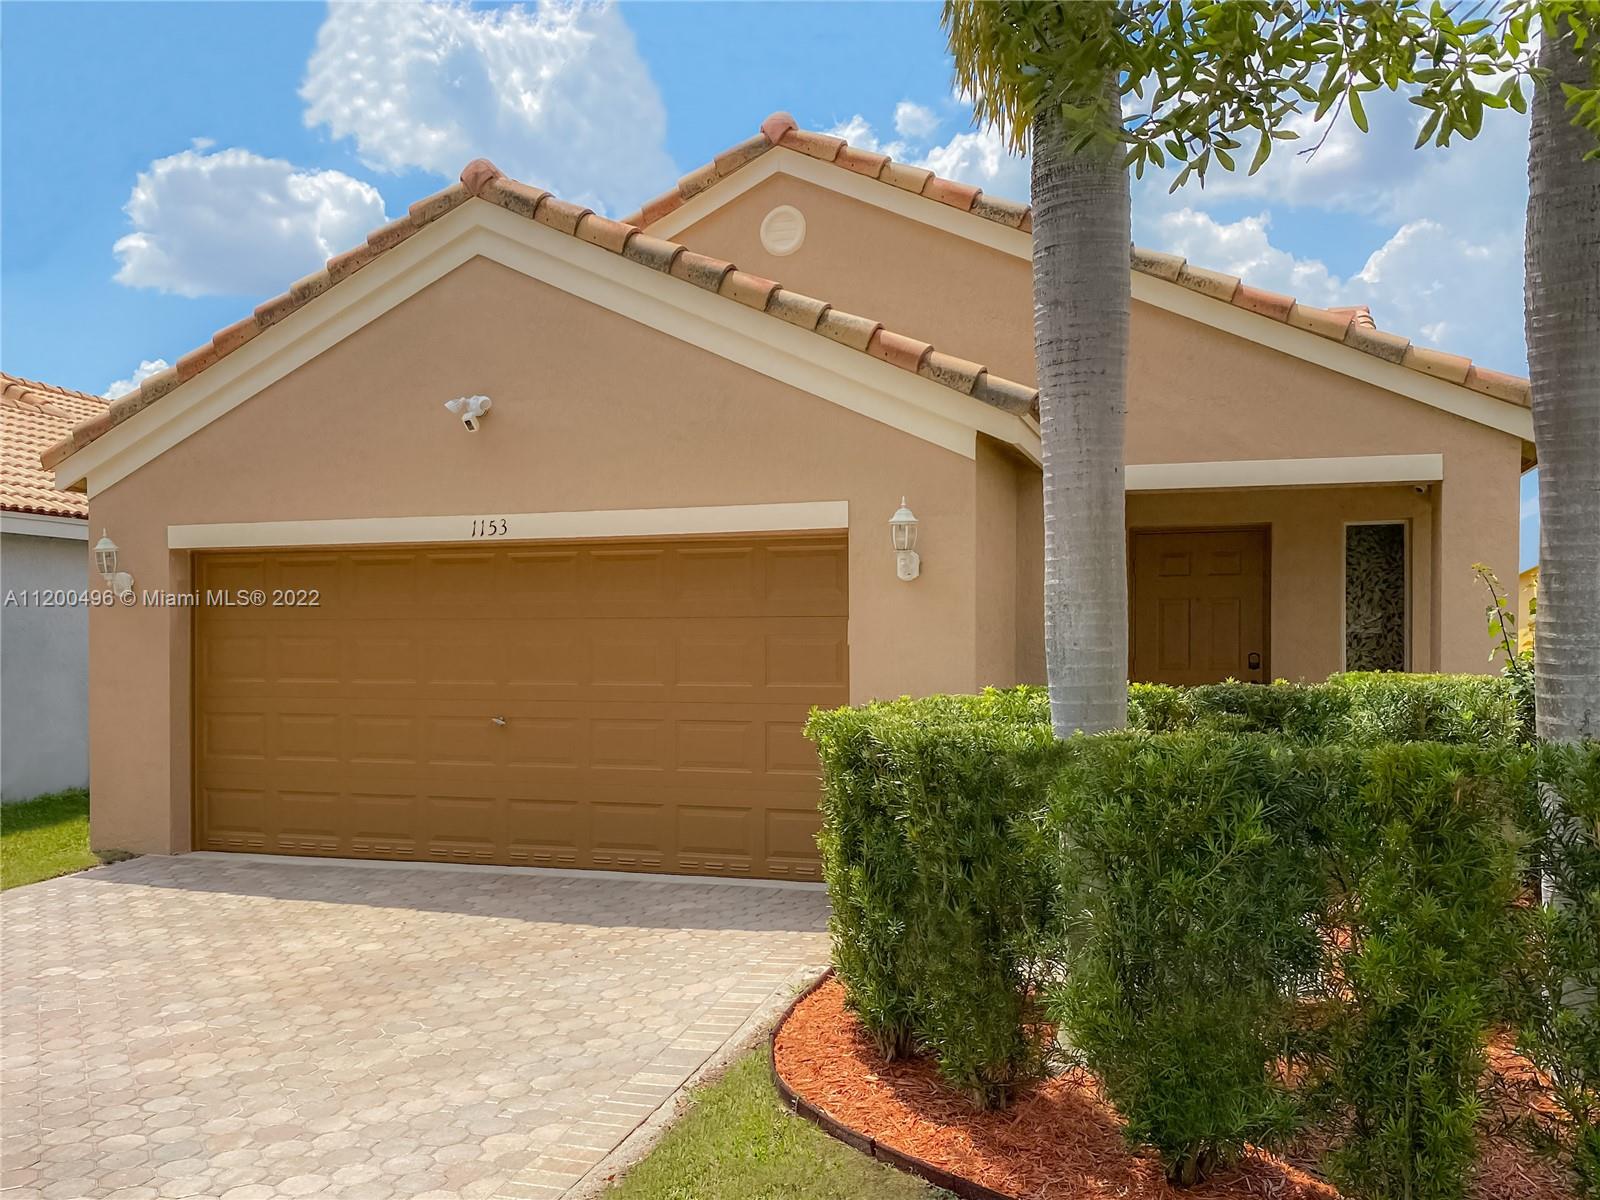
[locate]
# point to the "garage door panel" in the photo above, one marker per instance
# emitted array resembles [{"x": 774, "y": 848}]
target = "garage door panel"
[{"x": 651, "y": 697}]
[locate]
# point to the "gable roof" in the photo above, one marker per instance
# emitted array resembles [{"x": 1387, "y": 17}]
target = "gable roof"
[
  {"x": 1352, "y": 326},
  {"x": 34, "y": 416},
  {"x": 481, "y": 179}
]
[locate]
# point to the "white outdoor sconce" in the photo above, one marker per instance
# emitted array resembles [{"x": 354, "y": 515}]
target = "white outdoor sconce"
[
  {"x": 470, "y": 409},
  {"x": 903, "y": 530},
  {"x": 105, "y": 561}
]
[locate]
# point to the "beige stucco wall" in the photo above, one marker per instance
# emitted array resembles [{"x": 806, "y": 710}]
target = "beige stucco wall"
[
  {"x": 591, "y": 411},
  {"x": 1195, "y": 394}
]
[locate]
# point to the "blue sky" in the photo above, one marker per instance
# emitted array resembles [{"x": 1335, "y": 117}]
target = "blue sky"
[{"x": 184, "y": 161}]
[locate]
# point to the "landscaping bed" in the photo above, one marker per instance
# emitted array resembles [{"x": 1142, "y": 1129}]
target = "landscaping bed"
[{"x": 1060, "y": 1139}]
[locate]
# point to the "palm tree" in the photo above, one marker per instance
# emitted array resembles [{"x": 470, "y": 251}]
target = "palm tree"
[
  {"x": 1562, "y": 304},
  {"x": 1081, "y": 234}
]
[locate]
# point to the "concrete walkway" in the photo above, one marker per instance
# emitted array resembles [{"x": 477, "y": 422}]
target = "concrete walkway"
[{"x": 246, "y": 1030}]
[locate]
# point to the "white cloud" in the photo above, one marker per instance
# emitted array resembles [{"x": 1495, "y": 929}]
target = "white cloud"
[
  {"x": 556, "y": 94},
  {"x": 233, "y": 222},
  {"x": 1425, "y": 282},
  {"x": 149, "y": 367},
  {"x": 1244, "y": 248},
  {"x": 980, "y": 157},
  {"x": 913, "y": 120}
]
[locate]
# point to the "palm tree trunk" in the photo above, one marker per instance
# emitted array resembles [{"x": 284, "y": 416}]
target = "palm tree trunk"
[
  {"x": 1081, "y": 219},
  {"x": 1563, "y": 327}
]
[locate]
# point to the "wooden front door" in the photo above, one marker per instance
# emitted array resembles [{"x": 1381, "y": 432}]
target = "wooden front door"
[{"x": 1198, "y": 605}]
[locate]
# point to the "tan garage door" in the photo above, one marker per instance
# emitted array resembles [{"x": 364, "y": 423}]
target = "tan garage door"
[{"x": 621, "y": 705}]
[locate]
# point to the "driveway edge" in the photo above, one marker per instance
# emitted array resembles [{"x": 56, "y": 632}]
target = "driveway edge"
[{"x": 650, "y": 1131}]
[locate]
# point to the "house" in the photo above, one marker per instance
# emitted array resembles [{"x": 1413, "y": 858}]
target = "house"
[
  {"x": 44, "y": 634},
  {"x": 583, "y": 627}
]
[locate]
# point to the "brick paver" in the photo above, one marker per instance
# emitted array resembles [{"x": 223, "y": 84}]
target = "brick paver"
[{"x": 177, "y": 1027}]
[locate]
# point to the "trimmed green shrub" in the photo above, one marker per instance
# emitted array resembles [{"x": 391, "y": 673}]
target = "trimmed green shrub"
[
  {"x": 1190, "y": 887},
  {"x": 1560, "y": 1017},
  {"x": 1428, "y": 856},
  {"x": 939, "y": 912}
]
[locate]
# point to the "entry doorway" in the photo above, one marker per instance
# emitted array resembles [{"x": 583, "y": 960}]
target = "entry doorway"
[{"x": 1199, "y": 605}]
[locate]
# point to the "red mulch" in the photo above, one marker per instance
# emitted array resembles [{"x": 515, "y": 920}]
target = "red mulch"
[{"x": 1061, "y": 1140}]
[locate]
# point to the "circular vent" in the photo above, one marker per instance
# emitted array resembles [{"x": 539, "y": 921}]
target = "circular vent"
[{"x": 783, "y": 230}]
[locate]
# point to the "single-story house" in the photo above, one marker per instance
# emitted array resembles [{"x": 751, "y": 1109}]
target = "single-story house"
[
  {"x": 577, "y": 617},
  {"x": 44, "y": 631}
]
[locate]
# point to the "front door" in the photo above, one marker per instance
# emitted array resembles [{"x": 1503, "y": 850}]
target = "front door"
[{"x": 1198, "y": 602}]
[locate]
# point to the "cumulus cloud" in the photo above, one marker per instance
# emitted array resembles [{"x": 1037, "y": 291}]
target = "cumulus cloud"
[
  {"x": 912, "y": 120},
  {"x": 149, "y": 367},
  {"x": 233, "y": 222},
  {"x": 556, "y": 94},
  {"x": 1425, "y": 281},
  {"x": 1444, "y": 262}
]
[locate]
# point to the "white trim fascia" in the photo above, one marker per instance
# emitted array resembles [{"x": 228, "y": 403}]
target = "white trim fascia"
[
  {"x": 1159, "y": 293},
  {"x": 1285, "y": 472},
  {"x": 829, "y": 515},
  {"x": 763, "y": 343},
  {"x": 43, "y": 525}
]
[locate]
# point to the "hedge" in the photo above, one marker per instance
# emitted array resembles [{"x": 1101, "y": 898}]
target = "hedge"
[
  {"x": 935, "y": 919},
  {"x": 1319, "y": 875}
]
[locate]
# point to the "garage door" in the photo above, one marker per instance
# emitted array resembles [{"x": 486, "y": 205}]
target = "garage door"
[{"x": 630, "y": 706}]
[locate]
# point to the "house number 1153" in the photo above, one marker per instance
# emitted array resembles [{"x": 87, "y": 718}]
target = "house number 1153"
[{"x": 488, "y": 527}]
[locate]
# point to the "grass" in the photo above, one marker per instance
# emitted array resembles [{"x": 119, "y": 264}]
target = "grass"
[
  {"x": 736, "y": 1142},
  {"x": 45, "y": 837}
]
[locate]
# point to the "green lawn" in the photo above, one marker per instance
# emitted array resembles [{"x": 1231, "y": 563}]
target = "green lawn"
[
  {"x": 736, "y": 1142},
  {"x": 46, "y": 837}
]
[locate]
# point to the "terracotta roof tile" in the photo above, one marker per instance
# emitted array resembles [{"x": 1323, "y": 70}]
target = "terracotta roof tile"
[
  {"x": 514, "y": 196},
  {"x": 1498, "y": 384},
  {"x": 848, "y": 329},
  {"x": 862, "y": 162},
  {"x": 33, "y": 417},
  {"x": 797, "y": 309},
  {"x": 604, "y": 232},
  {"x": 948, "y": 191},
  {"x": 483, "y": 180},
  {"x": 1379, "y": 343},
  {"x": 958, "y": 373},
  {"x": 898, "y": 350},
  {"x": 818, "y": 145},
  {"x": 1353, "y": 326},
  {"x": 731, "y": 159},
  {"x": 1324, "y": 322},
  {"x": 1451, "y": 367},
  {"x": 1004, "y": 212},
  {"x": 701, "y": 270},
  {"x": 911, "y": 179},
  {"x": 653, "y": 252},
  {"x": 1004, "y": 393},
  {"x": 752, "y": 290},
  {"x": 1268, "y": 304},
  {"x": 1208, "y": 283}
]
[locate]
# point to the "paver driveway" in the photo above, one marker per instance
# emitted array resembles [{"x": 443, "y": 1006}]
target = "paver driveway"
[{"x": 229, "y": 1028}]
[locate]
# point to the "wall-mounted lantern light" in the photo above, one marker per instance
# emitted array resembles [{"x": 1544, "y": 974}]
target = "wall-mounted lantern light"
[
  {"x": 903, "y": 531},
  {"x": 105, "y": 561}
]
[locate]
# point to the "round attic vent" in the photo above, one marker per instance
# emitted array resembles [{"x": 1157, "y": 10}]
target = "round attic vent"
[{"x": 783, "y": 230}]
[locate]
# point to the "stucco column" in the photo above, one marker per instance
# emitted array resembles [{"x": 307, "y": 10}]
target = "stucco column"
[{"x": 1477, "y": 522}]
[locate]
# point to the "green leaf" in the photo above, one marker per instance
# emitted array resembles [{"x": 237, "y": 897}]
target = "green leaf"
[{"x": 1358, "y": 113}]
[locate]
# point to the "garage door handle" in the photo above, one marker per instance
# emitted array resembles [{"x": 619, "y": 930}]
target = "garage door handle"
[{"x": 498, "y": 720}]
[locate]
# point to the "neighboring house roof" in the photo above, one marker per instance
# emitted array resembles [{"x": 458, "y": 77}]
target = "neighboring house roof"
[
  {"x": 1353, "y": 327},
  {"x": 34, "y": 416},
  {"x": 482, "y": 179}
]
